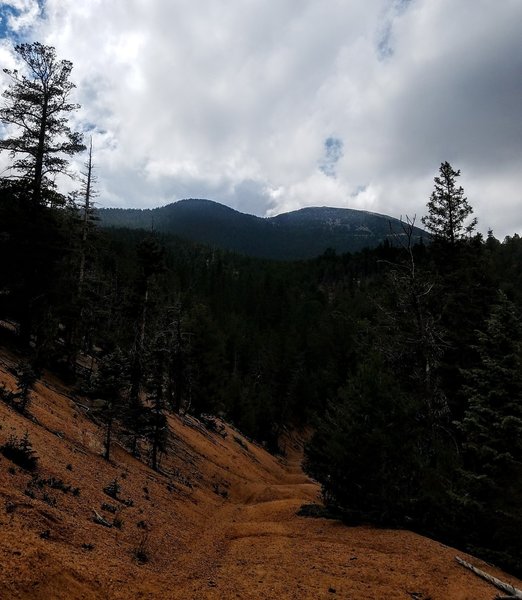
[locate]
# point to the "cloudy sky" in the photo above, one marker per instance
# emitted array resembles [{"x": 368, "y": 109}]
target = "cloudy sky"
[{"x": 269, "y": 106}]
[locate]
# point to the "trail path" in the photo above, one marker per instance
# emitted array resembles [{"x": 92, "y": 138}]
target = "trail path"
[{"x": 254, "y": 547}]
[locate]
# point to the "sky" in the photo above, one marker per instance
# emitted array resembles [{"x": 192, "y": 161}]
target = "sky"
[{"x": 272, "y": 106}]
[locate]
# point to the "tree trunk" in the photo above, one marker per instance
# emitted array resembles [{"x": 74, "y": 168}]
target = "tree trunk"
[
  {"x": 108, "y": 435},
  {"x": 38, "y": 167}
]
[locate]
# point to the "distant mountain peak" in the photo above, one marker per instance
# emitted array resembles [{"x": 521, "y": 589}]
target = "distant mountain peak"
[{"x": 299, "y": 234}]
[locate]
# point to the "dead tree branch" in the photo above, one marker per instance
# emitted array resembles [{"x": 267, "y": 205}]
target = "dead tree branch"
[{"x": 512, "y": 591}]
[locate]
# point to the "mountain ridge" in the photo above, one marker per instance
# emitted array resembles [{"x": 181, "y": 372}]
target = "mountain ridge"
[{"x": 301, "y": 234}]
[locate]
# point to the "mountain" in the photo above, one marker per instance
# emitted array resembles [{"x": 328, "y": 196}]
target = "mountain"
[{"x": 300, "y": 234}]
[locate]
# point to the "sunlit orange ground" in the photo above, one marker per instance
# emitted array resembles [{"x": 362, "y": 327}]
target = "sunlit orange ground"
[{"x": 233, "y": 534}]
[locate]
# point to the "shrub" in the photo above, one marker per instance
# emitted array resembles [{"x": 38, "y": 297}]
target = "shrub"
[
  {"x": 25, "y": 380},
  {"x": 109, "y": 508},
  {"x": 239, "y": 441},
  {"x": 113, "y": 489},
  {"x": 55, "y": 484},
  {"x": 20, "y": 451},
  {"x": 88, "y": 547},
  {"x": 141, "y": 553},
  {"x": 48, "y": 499}
]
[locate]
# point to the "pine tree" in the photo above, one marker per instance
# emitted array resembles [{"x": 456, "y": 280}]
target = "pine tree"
[
  {"x": 448, "y": 208},
  {"x": 110, "y": 387},
  {"x": 492, "y": 432},
  {"x": 492, "y": 424},
  {"x": 25, "y": 380},
  {"x": 178, "y": 379},
  {"x": 365, "y": 452},
  {"x": 80, "y": 290},
  {"x": 37, "y": 105},
  {"x": 156, "y": 430},
  {"x": 151, "y": 257},
  {"x": 39, "y": 139},
  {"x": 87, "y": 216}
]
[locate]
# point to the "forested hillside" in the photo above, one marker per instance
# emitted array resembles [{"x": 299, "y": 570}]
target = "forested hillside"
[
  {"x": 405, "y": 360},
  {"x": 408, "y": 358},
  {"x": 301, "y": 234}
]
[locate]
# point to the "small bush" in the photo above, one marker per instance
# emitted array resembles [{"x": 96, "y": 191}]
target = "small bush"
[
  {"x": 88, "y": 547},
  {"x": 113, "y": 489},
  {"x": 142, "y": 553},
  {"x": 219, "y": 490},
  {"x": 48, "y": 499},
  {"x": 5, "y": 394},
  {"x": 58, "y": 484},
  {"x": 212, "y": 424},
  {"x": 53, "y": 483},
  {"x": 239, "y": 441},
  {"x": 318, "y": 511},
  {"x": 109, "y": 508},
  {"x": 25, "y": 380},
  {"x": 178, "y": 476},
  {"x": 20, "y": 451}
]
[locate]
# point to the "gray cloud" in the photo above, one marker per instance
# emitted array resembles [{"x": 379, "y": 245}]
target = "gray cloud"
[{"x": 234, "y": 101}]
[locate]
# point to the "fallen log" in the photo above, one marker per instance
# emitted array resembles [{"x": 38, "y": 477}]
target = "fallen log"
[
  {"x": 100, "y": 520},
  {"x": 512, "y": 591}
]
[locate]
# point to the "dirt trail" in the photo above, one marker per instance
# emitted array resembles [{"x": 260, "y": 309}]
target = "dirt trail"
[
  {"x": 219, "y": 522},
  {"x": 249, "y": 542},
  {"x": 257, "y": 548}
]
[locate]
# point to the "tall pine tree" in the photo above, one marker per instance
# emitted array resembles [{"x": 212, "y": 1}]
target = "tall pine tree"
[
  {"x": 448, "y": 208},
  {"x": 36, "y": 107},
  {"x": 492, "y": 430}
]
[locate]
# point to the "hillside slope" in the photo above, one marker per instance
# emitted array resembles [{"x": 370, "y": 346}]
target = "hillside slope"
[
  {"x": 219, "y": 522},
  {"x": 304, "y": 233}
]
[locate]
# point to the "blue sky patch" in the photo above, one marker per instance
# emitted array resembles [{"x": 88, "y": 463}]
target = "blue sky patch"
[
  {"x": 333, "y": 152},
  {"x": 6, "y": 11}
]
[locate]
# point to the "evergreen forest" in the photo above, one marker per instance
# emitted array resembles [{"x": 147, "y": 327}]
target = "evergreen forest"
[{"x": 402, "y": 364}]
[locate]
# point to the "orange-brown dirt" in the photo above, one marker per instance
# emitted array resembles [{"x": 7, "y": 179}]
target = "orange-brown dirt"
[{"x": 219, "y": 522}]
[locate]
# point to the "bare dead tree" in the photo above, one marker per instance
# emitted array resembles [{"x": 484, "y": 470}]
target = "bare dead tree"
[{"x": 414, "y": 337}]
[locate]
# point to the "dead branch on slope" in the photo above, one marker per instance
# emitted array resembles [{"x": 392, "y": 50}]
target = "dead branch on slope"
[{"x": 512, "y": 591}]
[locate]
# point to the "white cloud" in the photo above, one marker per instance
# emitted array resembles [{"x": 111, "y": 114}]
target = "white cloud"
[{"x": 234, "y": 100}]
